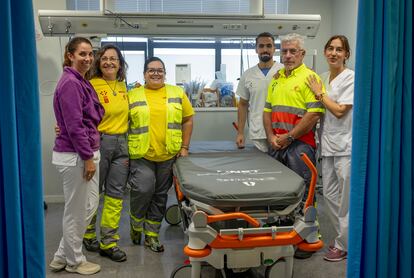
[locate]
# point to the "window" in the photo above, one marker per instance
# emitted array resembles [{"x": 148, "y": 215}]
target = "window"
[
  {"x": 135, "y": 60},
  {"x": 201, "y": 61},
  {"x": 229, "y": 57},
  {"x": 82, "y": 5}
]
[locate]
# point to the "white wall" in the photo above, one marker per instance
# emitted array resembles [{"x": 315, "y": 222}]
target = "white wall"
[
  {"x": 324, "y": 8},
  {"x": 49, "y": 59},
  {"x": 338, "y": 16},
  {"x": 345, "y": 15}
]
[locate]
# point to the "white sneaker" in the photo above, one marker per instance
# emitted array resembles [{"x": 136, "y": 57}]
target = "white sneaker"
[
  {"x": 57, "y": 265},
  {"x": 84, "y": 268}
]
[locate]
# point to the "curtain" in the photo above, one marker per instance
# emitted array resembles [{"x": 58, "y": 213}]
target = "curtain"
[
  {"x": 381, "y": 208},
  {"x": 21, "y": 196}
]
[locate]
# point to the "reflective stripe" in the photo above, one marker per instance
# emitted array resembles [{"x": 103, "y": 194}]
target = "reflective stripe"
[
  {"x": 148, "y": 233},
  {"x": 140, "y": 130},
  {"x": 152, "y": 222},
  {"x": 174, "y": 126},
  {"x": 175, "y": 100},
  {"x": 110, "y": 232},
  {"x": 110, "y": 238},
  {"x": 135, "y": 218},
  {"x": 289, "y": 109},
  {"x": 316, "y": 104},
  {"x": 91, "y": 228},
  {"x": 111, "y": 215},
  {"x": 285, "y": 126},
  {"x": 268, "y": 105},
  {"x": 137, "y": 103},
  {"x": 108, "y": 246}
]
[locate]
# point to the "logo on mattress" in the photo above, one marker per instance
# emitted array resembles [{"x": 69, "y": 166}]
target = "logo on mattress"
[
  {"x": 245, "y": 172},
  {"x": 249, "y": 177},
  {"x": 249, "y": 183},
  {"x": 246, "y": 181}
]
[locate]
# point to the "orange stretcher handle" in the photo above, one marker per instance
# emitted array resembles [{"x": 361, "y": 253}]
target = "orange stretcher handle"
[
  {"x": 180, "y": 195},
  {"x": 312, "y": 186},
  {"x": 233, "y": 215}
]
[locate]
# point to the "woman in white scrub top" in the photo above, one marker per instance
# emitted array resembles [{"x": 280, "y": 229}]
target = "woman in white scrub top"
[{"x": 336, "y": 139}]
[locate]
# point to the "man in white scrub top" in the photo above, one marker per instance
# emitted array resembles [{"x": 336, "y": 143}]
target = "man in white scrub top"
[{"x": 252, "y": 90}]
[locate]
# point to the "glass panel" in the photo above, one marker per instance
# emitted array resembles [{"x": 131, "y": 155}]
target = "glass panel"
[
  {"x": 135, "y": 60},
  {"x": 82, "y": 5},
  {"x": 202, "y": 67},
  {"x": 201, "y": 61},
  {"x": 276, "y": 6},
  {"x": 231, "y": 58},
  {"x": 208, "y": 7},
  {"x": 124, "y": 39}
]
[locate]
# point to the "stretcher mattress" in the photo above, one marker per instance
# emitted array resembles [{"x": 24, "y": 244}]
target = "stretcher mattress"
[{"x": 237, "y": 178}]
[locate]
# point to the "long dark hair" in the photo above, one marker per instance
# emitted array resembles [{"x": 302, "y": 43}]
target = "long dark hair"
[
  {"x": 71, "y": 47},
  {"x": 123, "y": 66}
]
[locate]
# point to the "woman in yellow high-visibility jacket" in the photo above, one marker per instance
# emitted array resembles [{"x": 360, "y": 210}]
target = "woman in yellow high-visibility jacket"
[{"x": 161, "y": 122}]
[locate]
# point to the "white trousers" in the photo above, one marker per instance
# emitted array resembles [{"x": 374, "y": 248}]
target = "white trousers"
[
  {"x": 81, "y": 202},
  {"x": 261, "y": 144},
  {"x": 336, "y": 172}
]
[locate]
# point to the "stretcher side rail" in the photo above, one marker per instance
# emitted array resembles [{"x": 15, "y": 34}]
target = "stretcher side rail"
[
  {"x": 251, "y": 237},
  {"x": 241, "y": 232}
]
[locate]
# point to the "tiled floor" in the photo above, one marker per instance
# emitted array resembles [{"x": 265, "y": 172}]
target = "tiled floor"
[{"x": 147, "y": 264}]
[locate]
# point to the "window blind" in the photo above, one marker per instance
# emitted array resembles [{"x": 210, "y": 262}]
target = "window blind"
[{"x": 219, "y": 7}]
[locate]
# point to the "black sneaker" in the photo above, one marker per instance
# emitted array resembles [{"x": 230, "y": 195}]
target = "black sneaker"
[
  {"x": 91, "y": 244},
  {"x": 114, "y": 253},
  {"x": 302, "y": 254},
  {"x": 154, "y": 244}
]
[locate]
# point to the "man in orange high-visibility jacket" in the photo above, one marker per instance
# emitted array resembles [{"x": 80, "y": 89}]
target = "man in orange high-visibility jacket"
[{"x": 291, "y": 110}]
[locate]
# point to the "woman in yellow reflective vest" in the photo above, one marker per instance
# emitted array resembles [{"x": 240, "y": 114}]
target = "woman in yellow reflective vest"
[{"x": 161, "y": 122}]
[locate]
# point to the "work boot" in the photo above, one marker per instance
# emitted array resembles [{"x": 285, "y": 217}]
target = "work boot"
[
  {"x": 91, "y": 244},
  {"x": 302, "y": 254},
  {"x": 154, "y": 244},
  {"x": 114, "y": 253},
  {"x": 135, "y": 236}
]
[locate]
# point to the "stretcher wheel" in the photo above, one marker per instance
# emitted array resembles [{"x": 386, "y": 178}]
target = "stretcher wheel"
[
  {"x": 182, "y": 271},
  {"x": 279, "y": 269},
  {"x": 172, "y": 215}
]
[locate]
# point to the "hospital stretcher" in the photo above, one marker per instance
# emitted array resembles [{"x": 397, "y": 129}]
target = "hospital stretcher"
[{"x": 225, "y": 199}]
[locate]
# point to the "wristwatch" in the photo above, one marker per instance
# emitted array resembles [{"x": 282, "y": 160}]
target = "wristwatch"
[{"x": 290, "y": 138}]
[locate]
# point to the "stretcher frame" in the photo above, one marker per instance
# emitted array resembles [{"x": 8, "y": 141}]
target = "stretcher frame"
[{"x": 242, "y": 248}]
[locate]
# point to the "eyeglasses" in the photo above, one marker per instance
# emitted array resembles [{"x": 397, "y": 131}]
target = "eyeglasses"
[
  {"x": 109, "y": 59},
  {"x": 153, "y": 71},
  {"x": 292, "y": 51}
]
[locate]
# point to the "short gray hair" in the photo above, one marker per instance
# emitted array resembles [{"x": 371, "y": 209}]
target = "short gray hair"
[{"x": 293, "y": 37}]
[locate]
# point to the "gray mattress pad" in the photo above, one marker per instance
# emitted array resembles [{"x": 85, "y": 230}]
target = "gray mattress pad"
[{"x": 237, "y": 178}]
